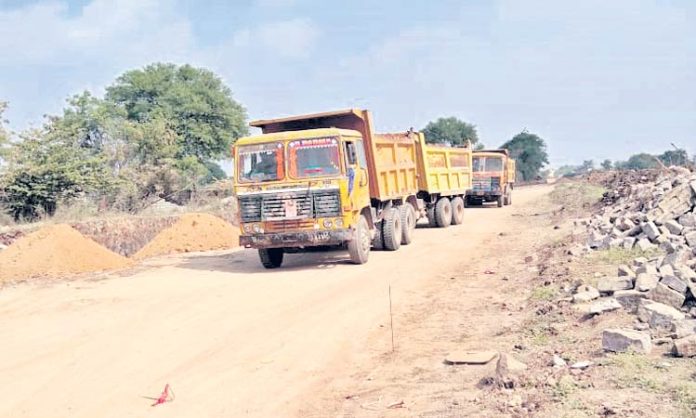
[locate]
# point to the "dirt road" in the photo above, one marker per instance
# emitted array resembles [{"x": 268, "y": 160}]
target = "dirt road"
[{"x": 230, "y": 338}]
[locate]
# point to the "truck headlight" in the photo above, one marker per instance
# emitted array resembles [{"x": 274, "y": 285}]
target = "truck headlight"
[
  {"x": 257, "y": 228},
  {"x": 327, "y": 223},
  {"x": 247, "y": 228},
  {"x": 339, "y": 223}
]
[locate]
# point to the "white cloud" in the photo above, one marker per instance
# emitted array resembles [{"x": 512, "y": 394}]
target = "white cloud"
[{"x": 123, "y": 31}]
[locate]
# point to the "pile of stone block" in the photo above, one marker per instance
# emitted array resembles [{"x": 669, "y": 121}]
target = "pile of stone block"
[{"x": 659, "y": 288}]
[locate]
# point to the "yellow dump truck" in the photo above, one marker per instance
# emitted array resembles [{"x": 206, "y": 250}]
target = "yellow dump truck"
[
  {"x": 327, "y": 180},
  {"x": 494, "y": 178}
]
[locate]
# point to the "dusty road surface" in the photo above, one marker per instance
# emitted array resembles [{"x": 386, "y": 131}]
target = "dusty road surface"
[{"x": 229, "y": 337}]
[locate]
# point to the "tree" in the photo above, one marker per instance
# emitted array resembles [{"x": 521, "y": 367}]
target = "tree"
[
  {"x": 640, "y": 161},
  {"x": 607, "y": 164},
  {"x": 451, "y": 131},
  {"x": 41, "y": 171},
  {"x": 529, "y": 151},
  {"x": 192, "y": 102},
  {"x": 4, "y": 135},
  {"x": 587, "y": 166},
  {"x": 674, "y": 157}
]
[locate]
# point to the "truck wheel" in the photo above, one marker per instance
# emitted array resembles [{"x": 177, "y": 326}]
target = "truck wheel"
[
  {"x": 500, "y": 201},
  {"x": 443, "y": 212},
  {"x": 378, "y": 239},
  {"x": 457, "y": 211},
  {"x": 271, "y": 257},
  {"x": 431, "y": 217},
  {"x": 408, "y": 223},
  {"x": 359, "y": 246},
  {"x": 391, "y": 231}
]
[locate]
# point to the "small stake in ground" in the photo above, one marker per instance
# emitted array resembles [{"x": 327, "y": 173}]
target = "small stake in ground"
[{"x": 391, "y": 319}]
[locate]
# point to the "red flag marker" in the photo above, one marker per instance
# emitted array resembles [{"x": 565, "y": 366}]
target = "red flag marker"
[{"x": 165, "y": 396}]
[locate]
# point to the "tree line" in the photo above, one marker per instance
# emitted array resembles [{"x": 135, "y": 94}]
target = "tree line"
[
  {"x": 158, "y": 132},
  {"x": 640, "y": 161}
]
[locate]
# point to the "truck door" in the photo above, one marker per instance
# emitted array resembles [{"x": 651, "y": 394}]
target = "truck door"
[{"x": 358, "y": 175}]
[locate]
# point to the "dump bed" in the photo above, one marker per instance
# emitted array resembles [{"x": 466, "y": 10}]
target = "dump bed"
[
  {"x": 444, "y": 170},
  {"x": 391, "y": 158}
]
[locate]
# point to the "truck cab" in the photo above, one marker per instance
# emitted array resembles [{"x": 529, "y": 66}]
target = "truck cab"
[
  {"x": 493, "y": 178},
  {"x": 300, "y": 189}
]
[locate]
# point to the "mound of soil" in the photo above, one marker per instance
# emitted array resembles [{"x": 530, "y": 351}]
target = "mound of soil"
[
  {"x": 192, "y": 232},
  {"x": 54, "y": 251}
]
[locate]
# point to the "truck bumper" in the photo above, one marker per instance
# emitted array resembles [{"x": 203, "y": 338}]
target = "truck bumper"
[{"x": 296, "y": 239}]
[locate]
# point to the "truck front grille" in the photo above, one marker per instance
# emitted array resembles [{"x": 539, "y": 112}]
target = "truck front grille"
[
  {"x": 486, "y": 184},
  {"x": 318, "y": 204},
  {"x": 327, "y": 204}
]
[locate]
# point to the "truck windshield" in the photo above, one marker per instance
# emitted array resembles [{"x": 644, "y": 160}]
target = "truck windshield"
[
  {"x": 316, "y": 157},
  {"x": 262, "y": 162},
  {"x": 488, "y": 164}
]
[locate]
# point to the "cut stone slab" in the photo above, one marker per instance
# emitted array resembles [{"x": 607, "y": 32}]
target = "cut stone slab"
[
  {"x": 585, "y": 294},
  {"x": 558, "y": 362},
  {"x": 648, "y": 268},
  {"x": 612, "y": 284},
  {"x": 625, "y": 271},
  {"x": 651, "y": 230},
  {"x": 470, "y": 357},
  {"x": 685, "y": 347},
  {"x": 646, "y": 281},
  {"x": 626, "y": 340},
  {"x": 604, "y": 305},
  {"x": 688, "y": 220},
  {"x": 664, "y": 294},
  {"x": 691, "y": 239},
  {"x": 666, "y": 270},
  {"x": 683, "y": 328},
  {"x": 674, "y": 283},
  {"x": 658, "y": 315},
  {"x": 639, "y": 261},
  {"x": 629, "y": 299},
  {"x": 674, "y": 227}
]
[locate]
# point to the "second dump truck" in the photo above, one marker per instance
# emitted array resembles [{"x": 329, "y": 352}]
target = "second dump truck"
[{"x": 326, "y": 179}]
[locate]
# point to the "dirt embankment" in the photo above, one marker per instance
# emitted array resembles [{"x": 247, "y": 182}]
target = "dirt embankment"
[
  {"x": 192, "y": 232},
  {"x": 62, "y": 250},
  {"x": 53, "y": 251}
]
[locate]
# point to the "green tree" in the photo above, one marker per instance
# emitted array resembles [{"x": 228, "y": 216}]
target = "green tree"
[
  {"x": 674, "y": 157},
  {"x": 450, "y": 130},
  {"x": 42, "y": 171},
  {"x": 529, "y": 152},
  {"x": 607, "y": 164},
  {"x": 192, "y": 102},
  {"x": 640, "y": 161},
  {"x": 587, "y": 166}
]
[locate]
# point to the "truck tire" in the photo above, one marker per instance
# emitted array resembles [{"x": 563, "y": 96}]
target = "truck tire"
[
  {"x": 443, "y": 212},
  {"x": 457, "y": 210},
  {"x": 391, "y": 230},
  {"x": 359, "y": 246},
  {"x": 271, "y": 258},
  {"x": 500, "y": 201},
  {"x": 431, "y": 217},
  {"x": 378, "y": 239},
  {"x": 408, "y": 223}
]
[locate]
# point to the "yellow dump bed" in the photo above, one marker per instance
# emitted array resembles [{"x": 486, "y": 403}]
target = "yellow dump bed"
[
  {"x": 396, "y": 165},
  {"x": 444, "y": 170}
]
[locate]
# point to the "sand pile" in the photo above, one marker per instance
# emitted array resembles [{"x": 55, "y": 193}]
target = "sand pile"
[
  {"x": 192, "y": 232},
  {"x": 53, "y": 251}
]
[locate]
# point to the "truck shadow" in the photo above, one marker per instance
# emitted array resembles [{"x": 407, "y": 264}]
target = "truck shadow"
[{"x": 247, "y": 262}]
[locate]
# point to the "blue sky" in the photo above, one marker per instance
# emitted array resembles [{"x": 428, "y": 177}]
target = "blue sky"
[{"x": 597, "y": 79}]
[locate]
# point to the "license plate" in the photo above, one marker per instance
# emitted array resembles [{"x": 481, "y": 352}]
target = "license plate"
[{"x": 290, "y": 207}]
